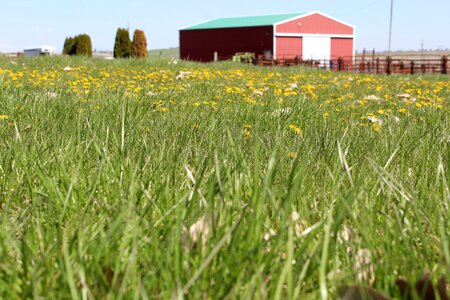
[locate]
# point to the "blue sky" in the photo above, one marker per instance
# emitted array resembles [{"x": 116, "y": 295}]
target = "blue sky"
[{"x": 26, "y": 23}]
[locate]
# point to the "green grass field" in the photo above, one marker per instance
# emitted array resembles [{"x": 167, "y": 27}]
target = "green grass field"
[
  {"x": 148, "y": 179},
  {"x": 173, "y": 53}
]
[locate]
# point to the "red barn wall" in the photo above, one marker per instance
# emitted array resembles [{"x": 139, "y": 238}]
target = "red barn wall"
[
  {"x": 288, "y": 47},
  {"x": 200, "y": 45},
  {"x": 341, "y": 47},
  {"x": 314, "y": 24}
]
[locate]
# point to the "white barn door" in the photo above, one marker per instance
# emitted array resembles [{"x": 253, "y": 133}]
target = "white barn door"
[{"x": 316, "y": 48}]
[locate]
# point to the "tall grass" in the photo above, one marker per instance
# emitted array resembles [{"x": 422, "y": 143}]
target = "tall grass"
[{"x": 121, "y": 201}]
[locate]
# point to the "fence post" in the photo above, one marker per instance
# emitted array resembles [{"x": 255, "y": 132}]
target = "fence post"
[
  {"x": 362, "y": 66},
  {"x": 444, "y": 64},
  {"x": 340, "y": 63},
  {"x": 411, "y": 70},
  {"x": 402, "y": 66},
  {"x": 378, "y": 66},
  {"x": 388, "y": 65}
]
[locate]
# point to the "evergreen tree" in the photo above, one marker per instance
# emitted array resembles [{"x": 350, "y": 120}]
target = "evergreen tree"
[
  {"x": 78, "y": 45},
  {"x": 69, "y": 46},
  {"x": 83, "y": 45},
  {"x": 139, "y": 44},
  {"x": 123, "y": 46}
]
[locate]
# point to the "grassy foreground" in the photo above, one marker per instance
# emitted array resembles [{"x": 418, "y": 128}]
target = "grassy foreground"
[{"x": 138, "y": 179}]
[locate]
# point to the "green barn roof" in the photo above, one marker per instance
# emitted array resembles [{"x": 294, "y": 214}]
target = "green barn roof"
[{"x": 251, "y": 21}]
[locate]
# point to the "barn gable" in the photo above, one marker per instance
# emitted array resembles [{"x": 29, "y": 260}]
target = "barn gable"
[{"x": 314, "y": 23}]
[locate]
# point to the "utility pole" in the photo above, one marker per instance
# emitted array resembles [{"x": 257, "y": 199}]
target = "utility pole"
[{"x": 390, "y": 28}]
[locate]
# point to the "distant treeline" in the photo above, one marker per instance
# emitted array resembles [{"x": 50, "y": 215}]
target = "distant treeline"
[{"x": 123, "y": 46}]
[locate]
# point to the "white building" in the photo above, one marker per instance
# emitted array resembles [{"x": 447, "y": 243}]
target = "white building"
[{"x": 39, "y": 50}]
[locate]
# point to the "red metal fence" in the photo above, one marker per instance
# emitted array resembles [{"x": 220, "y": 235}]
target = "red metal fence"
[{"x": 379, "y": 65}]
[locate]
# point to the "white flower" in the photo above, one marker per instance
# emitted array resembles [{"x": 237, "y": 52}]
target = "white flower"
[
  {"x": 404, "y": 96},
  {"x": 269, "y": 234},
  {"x": 199, "y": 232},
  {"x": 347, "y": 233},
  {"x": 52, "y": 94},
  {"x": 375, "y": 120},
  {"x": 182, "y": 75},
  {"x": 363, "y": 266},
  {"x": 282, "y": 111},
  {"x": 410, "y": 173},
  {"x": 295, "y": 217},
  {"x": 67, "y": 69},
  {"x": 373, "y": 97},
  {"x": 347, "y": 237}
]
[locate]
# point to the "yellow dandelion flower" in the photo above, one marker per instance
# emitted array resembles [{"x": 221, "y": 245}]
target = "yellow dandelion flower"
[
  {"x": 4, "y": 117},
  {"x": 297, "y": 130},
  {"x": 248, "y": 133},
  {"x": 376, "y": 127}
]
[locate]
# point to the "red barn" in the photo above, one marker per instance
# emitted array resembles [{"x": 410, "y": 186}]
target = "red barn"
[{"x": 306, "y": 36}]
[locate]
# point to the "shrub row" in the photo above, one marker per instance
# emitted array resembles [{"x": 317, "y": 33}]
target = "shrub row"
[
  {"x": 123, "y": 46},
  {"x": 78, "y": 45}
]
